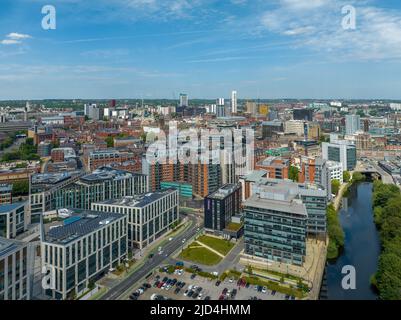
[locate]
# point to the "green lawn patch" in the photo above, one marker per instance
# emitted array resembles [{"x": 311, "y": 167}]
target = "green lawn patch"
[
  {"x": 200, "y": 255},
  {"x": 220, "y": 245}
]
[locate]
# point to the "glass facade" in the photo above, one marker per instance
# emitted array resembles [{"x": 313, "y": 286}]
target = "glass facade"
[{"x": 275, "y": 235}]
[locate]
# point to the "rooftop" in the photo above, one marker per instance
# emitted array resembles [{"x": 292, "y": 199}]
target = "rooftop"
[
  {"x": 290, "y": 206},
  {"x": 139, "y": 201},
  {"x": 80, "y": 225},
  {"x": 108, "y": 173},
  {"x": 10, "y": 207},
  {"x": 7, "y": 246},
  {"x": 224, "y": 191}
]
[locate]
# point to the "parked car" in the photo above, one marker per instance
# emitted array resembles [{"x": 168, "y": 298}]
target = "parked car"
[
  {"x": 218, "y": 282},
  {"x": 193, "y": 276}
]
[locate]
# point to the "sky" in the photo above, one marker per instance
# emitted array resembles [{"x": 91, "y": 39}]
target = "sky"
[{"x": 271, "y": 49}]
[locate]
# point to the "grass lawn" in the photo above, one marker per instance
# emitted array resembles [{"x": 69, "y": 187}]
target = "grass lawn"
[
  {"x": 200, "y": 255},
  {"x": 220, "y": 245}
]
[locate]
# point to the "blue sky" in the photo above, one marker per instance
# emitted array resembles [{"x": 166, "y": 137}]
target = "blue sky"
[{"x": 206, "y": 48}]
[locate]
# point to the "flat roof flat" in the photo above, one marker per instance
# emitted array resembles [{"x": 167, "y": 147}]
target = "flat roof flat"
[
  {"x": 10, "y": 207},
  {"x": 83, "y": 223},
  {"x": 291, "y": 207},
  {"x": 139, "y": 201}
]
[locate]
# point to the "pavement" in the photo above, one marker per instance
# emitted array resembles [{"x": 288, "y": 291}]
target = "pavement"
[{"x": 157, "y": 260}]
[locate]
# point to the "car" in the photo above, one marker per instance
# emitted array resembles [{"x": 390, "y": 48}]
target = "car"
[
  {"x": 218, "y": 282},
  {"x": 170, "y": 239},
  {"x": 156, "y": 284},
  {"x": 147, "y": 285},
  {"x": 160, "y": 285},
  {"x": 256, "y": 288},
  {"x": 193, "y": 276},
  {"x": 292, "y": 298},
  {"x": 195, "y": 295},
  {"x": 178, "y": 284},
  {"x": 199, "y": 289},
  {"x": 287, "y": 297},
  {"x": 231, "y": 280},
  {"x": 264, "y": 290},
  {"x": 190, "y": 293},
  {"x": 177, "y": 290},
  {"x": 247, "y": 285},
  {"x": 234, "y": 293},
  {"x": 141, "y": 290},
  {"x": 222, "y": 297},
  {"x": 200, "y": 296},
  {"x": 186, "y": 293},
  {"x": 260, "y": 288},
  {"x": 224, "y": 291},
  {"x": 132, "y": 297},
  {"x": 165, "y": 279},
  {"x": 274, "y": 292},
  {"x": 207, "y": 298},
  {"x": 151, "y": 256}
]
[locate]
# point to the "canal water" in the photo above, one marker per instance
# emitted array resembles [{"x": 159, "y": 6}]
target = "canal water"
[{"x": 362, "y": 246}]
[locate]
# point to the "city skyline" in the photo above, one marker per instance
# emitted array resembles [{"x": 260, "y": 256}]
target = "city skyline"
[{"x": 157, "y": 49}]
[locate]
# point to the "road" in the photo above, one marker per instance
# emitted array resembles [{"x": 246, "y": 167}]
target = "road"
[
  {"x": 15, "y": 146},
  {"x": 118, "y": 290}
]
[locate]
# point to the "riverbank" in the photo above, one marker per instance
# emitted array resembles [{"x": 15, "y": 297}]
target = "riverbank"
[
  {"x": 387, "y": 216},
  {"x": 361, "y": 246}
]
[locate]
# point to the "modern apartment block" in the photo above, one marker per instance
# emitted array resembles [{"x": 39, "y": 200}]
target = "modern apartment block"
[
  {"x": 6, "y": 193},
  {"x": 14, "y": 219},
  {"x": 316, "y": 171},
  {"x": 119, "y": 160},
  {"x": 149, "y": 215},
  {"x": 16, "y": 270},
  {"x": 277, "y": 167},
  {"x": 275, "y": 227},
  {"x": 340, "y": 151},
  {"x": 221, "y": 206},
  {"x": 56, "y": 191},
  {"x": 82, "y": 249}
]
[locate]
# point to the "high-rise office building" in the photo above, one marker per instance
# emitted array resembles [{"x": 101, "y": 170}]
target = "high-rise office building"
[
  {"x": 16, "y": 269},
  {"x": 221, "y": 206},
  {"x": 184, "y": 100},
  {"x": 275, "y": 227},
  {"x": 149, "y": 215},
  {"x": 234, "y": 102},
  {"x": 14, "y": 219},
  {"x": 352, "y": 124},
  {"x": 340, "y": 151},
  {"x": 83, "y": 248}
]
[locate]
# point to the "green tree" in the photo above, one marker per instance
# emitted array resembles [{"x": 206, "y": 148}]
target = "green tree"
[
  {"x": 346, "y": 176},
  {"x": 293, "y": 173},
  {"x": 20, "y": 188},
  {"x": 335, "y": 186},
  {"x": 110, "y": 142}
]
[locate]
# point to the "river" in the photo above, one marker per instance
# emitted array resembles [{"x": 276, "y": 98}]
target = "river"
[{"x": 362, "y": 246}]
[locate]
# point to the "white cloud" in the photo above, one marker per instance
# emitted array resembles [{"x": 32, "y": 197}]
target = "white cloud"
[
  {"x": 14, "y": 38},
  {"x": 9, "y": 42},
  {"x": 316, "y": 25},
  {"x": 18, "y": 36}
]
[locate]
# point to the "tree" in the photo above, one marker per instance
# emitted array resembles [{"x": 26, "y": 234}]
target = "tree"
[
  {"x": 20, "y": 188},
  {"x": 346, "y": 176},
  {"x": 335, "y": 186},
  {"x": 110, "y": 142},
  {"x": 293, "y": 174}
]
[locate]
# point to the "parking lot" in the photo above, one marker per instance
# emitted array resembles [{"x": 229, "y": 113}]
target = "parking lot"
[{"x": 183, "y": 287}]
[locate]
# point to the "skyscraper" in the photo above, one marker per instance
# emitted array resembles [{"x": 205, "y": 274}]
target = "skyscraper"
[
  {"x": 184, "y": 101},
  {"x": 234, "y": 102},
  {"x": 352, "y": 124}
]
